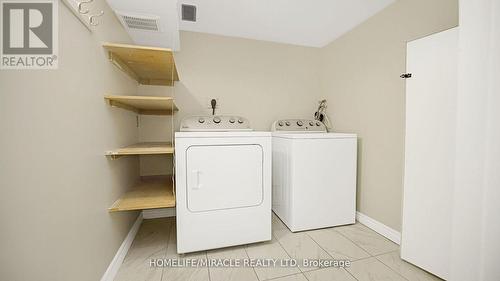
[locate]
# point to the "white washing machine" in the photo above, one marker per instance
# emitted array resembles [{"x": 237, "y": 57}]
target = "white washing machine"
[
  {"x": 314, "y": 175},
  {"x": 223, "y": 183}
]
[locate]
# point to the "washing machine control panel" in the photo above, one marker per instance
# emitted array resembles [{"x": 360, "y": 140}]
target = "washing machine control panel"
[
  {"x": 211, "y": 123},
  {"x": 298, "y": 125}
]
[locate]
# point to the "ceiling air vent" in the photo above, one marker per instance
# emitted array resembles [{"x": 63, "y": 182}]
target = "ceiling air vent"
[
  {"x": 140, "y": 22},
  {"x": 188, "y": 12}
]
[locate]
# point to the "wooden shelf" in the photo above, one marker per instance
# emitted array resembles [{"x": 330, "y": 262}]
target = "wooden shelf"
[
  {"x": 146, "y": 65},
  {"x": 150, "y": 193},
  {"x": 145, "y": 105},
  {"x": 143, "y": 148}
]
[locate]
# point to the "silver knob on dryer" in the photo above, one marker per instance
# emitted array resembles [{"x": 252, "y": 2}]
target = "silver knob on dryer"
[
  {"x": 217, "y": 120},
  {"x": 240, "y": 121},
  {"x": 232, "y": 120},
  {"x": 300, "y": 123},
  {"x": 311, "y": 123},
  {"x": 280, "y": 124},
  {"x": 287, "y": 123},
  {"x": 201, "y": 120}
]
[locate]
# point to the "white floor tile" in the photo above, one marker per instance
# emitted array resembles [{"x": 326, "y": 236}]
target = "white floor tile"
[
  {"x": 183, "y": 273},
  {"x": 136, "y": 267},
  {"x": 369, "y": 240},
  {"x": 231, "y": 273},
  {"x": 337, "y": 245},
  {"x": 270, "y": 250},
  {"x": 149, "y": 243},
  {"x": 295, "y": 277},
  {"x": 407, "y": 270},
  {"x": 300, "y": 246},
  {"x": 329, "y": 274},
  {"x": 157, "y": 239},
  {"x": 277, "y": 224},
  {"x": 371, "y": 269}
]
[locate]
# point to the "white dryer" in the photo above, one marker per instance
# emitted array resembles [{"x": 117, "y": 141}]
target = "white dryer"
[
  {"x": 223, "y": 183},
  {"x": 314, "y": 175}
]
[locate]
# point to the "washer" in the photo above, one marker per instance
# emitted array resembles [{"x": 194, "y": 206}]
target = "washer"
[
  {"x": 314, "y": 175},
  {"x": 223, "y": 183}
]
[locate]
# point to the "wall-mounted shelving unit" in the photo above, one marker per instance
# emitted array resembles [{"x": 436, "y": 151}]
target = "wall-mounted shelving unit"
[
  {"x": 144, "y": 105},
  {"x": 150, "y": 193},
  {"x": 143, "y": 148},
  {"x": 146, "y": 65}
]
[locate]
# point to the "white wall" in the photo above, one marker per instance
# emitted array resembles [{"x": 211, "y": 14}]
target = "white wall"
[
  {"x": 490, "y": 246},
  {"x": 476, "y": 228},
  {"x": 53, "y": 206},
  {"x": 358, "y": 74},
  {"x": 55, "y": 182},
  {"x": 153, "y": 128},
  {"x": 259, "y": 80}
]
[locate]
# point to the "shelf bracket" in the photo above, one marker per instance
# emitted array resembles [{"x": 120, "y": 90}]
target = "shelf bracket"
[
  {"x": 113, "y": 103},
  {"x": 123, "y": 66},
  {"x": 112, "y": 155}
]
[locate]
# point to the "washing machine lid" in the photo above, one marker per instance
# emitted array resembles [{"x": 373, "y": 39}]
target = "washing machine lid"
[
  {"x": 215, "y": 134},
  {"x": 301, "y": 135}
]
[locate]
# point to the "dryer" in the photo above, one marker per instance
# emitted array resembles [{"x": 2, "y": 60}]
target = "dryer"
[
  {"x": 223, "y": 183},
  {"x": 314, "y": 175}
]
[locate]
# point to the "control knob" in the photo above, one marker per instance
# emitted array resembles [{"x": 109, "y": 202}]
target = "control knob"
[
  {"x": 217, "y": 120},
  {"x": 240, "y": 121},
  {"x": 300, "y": 123},
  {"x": 201, "y": 120},
  {"x": 231, "y": 120}
]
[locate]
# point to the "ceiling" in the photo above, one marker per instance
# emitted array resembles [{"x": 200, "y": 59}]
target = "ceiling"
[
  {"x": 164, "y": 10},
  {"x": 312, "y": 23}
]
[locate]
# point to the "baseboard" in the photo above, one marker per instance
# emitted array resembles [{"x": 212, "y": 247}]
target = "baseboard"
[
  {"x": 380, "y": 228},
  {"x": 117, "y": 261},
  {"x": 158, "y": 213}
]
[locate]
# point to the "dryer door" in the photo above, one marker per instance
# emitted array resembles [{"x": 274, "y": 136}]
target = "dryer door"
[{"x": 223, "y": 177}]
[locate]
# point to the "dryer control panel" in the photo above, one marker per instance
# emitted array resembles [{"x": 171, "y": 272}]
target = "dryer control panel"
[
  {"x": 215, "y": 123},
  {"x": 298, "y": 125}
]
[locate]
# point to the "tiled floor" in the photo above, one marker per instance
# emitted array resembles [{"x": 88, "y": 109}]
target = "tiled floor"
[{"x": 373, "y": 257}]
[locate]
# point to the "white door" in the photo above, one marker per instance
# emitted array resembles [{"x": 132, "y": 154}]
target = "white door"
[
  {"x": 223, "y": 177},
  {"x": 430, "y": 151}
]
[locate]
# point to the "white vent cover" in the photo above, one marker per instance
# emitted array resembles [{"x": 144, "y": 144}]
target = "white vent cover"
[{"x": 139, "y": 22}]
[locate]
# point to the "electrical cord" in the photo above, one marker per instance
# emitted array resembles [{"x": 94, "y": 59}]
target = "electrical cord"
[
  {"x": 213, "y": 102},
  {"x": 321, "y": 116}
]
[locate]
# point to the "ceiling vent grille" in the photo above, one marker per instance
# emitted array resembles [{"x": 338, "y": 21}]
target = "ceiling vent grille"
[
  {"x": 140, "y": 22},
  {"x": 188, "y": 12}
]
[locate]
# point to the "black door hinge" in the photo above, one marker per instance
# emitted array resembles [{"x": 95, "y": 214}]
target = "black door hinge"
[{"x": 405, "y": 75}]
